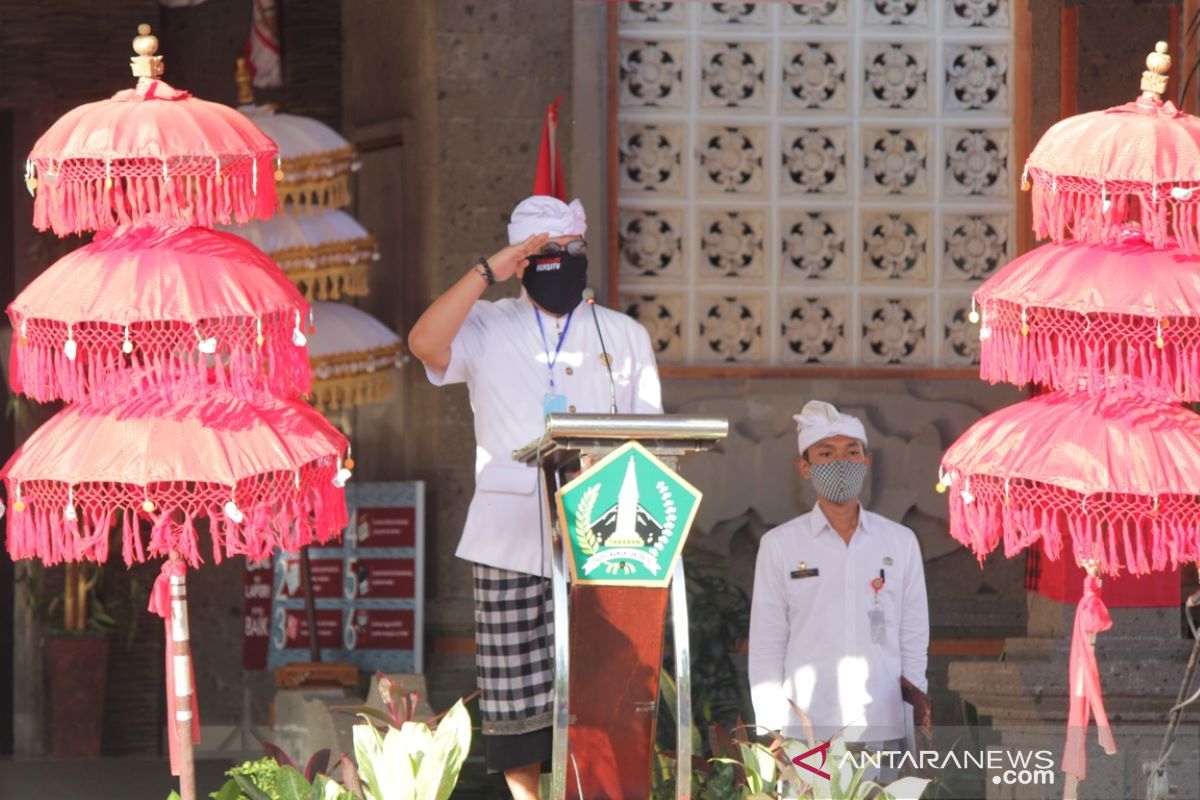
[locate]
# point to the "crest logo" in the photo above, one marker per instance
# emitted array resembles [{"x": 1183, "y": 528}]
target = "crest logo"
[{"x": 627, "y": 519}]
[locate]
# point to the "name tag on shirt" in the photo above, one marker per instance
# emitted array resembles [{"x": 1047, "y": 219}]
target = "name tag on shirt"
[
  {"x": 804, "y": 573},
  {"x": 878, "y": 625},
  {"x": 554, "y": 403}
]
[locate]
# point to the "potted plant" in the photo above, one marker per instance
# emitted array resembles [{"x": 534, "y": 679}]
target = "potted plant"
[{"x": 94, "y": 603}]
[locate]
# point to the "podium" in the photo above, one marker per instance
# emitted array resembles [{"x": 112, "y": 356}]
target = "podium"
[{"x": 619, "y": 517}]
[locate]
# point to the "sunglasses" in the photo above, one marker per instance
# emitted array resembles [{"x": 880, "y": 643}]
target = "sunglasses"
[{"x": 575, "y": 247}]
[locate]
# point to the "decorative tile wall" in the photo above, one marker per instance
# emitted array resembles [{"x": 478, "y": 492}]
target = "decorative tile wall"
[{"x": 821, "y": 183}]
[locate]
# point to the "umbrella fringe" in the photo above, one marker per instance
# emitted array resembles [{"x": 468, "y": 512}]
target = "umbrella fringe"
[
  {"x": 1065, "y": 361},
  {"x": 75, "y": 205},
  {"x": 1066, "y": 208},
  {"x": 1138, "y": 543},
  {"x": 313, "y": 514},
  {"x": 46, "y": 374}
]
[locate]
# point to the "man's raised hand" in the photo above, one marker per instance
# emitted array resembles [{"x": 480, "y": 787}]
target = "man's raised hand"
[{"x": 511, "y": 260}]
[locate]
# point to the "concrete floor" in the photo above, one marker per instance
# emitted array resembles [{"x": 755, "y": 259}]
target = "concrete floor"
[
  {"x": 150, "y": 779},
  {"x": 101, "y": 778}
]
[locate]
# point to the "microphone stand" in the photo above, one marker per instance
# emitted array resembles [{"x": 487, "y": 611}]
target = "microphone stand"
[{"x": 589, "y": 297}]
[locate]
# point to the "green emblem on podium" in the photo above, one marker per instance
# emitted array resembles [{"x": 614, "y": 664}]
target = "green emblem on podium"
[{"x": 626, "y": 519}]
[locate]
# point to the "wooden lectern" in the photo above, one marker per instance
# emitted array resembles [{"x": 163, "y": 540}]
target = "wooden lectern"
[{"x": 619, "y": 527}]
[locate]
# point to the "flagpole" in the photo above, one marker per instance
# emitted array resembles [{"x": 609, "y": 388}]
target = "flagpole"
[{"x": 555, "y": 178}]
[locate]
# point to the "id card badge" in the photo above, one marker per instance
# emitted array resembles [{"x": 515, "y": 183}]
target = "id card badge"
[
  {"x": 554, "y": 403},
  {"x": 878, "y": 625}
]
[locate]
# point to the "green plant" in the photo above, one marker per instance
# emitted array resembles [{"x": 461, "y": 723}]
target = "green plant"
[
  {"x": 267, "y": 779},
  {"x": 412, "y": 762},
  {"x": 99, "y": 599}
]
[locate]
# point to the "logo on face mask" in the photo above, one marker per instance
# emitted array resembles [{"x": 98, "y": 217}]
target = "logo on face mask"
[
  {"x": 555, "y": 283},
  {"x": 838, "y": 481}
]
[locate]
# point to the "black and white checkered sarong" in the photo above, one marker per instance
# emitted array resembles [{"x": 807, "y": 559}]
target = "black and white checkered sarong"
[{"x": 514, "y": 650}]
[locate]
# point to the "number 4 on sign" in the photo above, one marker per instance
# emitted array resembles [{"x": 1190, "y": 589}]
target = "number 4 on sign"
[{"x": 823, "y": 749}]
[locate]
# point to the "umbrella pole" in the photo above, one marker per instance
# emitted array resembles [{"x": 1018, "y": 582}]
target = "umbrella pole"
[
  {"x": 181, "y": 662},
  {"x": 310, "y": 606}
]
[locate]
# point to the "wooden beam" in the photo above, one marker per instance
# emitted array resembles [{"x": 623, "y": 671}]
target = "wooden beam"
[
  {"x": 815, "y": 373},
  {"x": 1022, "y": 100},
  {"x": 1189, "y": 51}
]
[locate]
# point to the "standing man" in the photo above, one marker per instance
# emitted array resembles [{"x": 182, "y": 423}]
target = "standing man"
[
  {"x": 838, "y": 617},
  {"x": 521, "y": 359}
]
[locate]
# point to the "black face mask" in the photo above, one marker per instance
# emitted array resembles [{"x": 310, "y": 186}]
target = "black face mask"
[{"x": 555, "y": 282}]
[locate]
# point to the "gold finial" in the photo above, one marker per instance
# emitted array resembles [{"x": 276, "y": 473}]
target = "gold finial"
[
  {"x": 1154, "y": 79},
  {"x": 145, "y": 64},
  {"x": 241, "y": 76}
]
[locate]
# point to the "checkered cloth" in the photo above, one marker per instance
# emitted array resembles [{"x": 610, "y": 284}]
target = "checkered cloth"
[{"x": 514, "y": 650}]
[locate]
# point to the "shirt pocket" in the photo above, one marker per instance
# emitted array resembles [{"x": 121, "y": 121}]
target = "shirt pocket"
[{"x": 507, "y": 479}]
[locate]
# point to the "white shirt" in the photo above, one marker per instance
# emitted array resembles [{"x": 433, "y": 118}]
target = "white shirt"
[
  {"x": 810, "y": 638},
  {"x": 501, "y": 355}
]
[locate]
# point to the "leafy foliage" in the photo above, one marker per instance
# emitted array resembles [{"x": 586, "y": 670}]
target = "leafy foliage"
[
  {"x": 268, "y": 779},
  {"x": 413, "y": 762}
]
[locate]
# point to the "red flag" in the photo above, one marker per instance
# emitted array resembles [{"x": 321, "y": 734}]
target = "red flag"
[{"x": 548, "y": 179}]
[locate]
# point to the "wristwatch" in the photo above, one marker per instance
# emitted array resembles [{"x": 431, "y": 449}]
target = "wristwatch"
[{"x": 485, "y": 271}]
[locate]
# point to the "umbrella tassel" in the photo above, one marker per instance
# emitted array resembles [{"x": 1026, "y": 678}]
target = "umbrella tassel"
[
  {"x": 1160, "y": 533},
  {"x": 214, "y": 531},
  {"x": 127, "y": 537}
]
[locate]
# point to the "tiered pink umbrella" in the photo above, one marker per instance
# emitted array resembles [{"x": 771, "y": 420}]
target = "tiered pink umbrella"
[
  {"x": 181, "y": 348},
  {"x": 1096, "y": 317},
  {"x": 1110, "y": 476},
  {"x": 266, "y": 474},
  {"x": 150, "y": 154},
  {"x": 1106, "y": 463},
  {"x": 1093, "y": 173},
  {"x": 185, "y": 304}
]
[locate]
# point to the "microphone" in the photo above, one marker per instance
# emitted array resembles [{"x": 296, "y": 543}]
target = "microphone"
[{"x": 589, "y": 297}]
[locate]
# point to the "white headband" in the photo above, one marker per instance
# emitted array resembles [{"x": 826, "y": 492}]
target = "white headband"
[
  {"x": 819, "y": 420},
  {"x": 544, "y": 214}
]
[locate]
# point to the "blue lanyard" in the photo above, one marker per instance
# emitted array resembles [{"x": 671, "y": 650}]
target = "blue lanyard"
[{"x": 552, "y": 360}]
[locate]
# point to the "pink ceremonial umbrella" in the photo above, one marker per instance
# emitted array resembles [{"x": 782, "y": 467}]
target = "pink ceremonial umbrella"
[
  {"x": 1097, "y": 317},
  {"x": 1112, "y": 475},
  {"x": 265, "y": 475},
  {"x": 1093, "y": 173},
  {"x": 152, "y": 153},
  {"x": 190, "y": 305}
]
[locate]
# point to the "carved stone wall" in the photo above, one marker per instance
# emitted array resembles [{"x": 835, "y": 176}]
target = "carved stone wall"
[{"x": 817, "y": 183}]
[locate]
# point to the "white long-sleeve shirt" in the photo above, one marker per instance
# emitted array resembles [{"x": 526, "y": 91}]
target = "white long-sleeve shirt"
[
  {"x": 811, "y": 638},
  {"x": 504, "y": 358}
]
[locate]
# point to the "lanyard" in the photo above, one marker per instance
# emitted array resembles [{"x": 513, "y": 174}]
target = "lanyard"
[{"x": 552, "y": 360}]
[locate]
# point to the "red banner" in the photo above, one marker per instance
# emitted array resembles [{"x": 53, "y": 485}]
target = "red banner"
[
  {"x": 385, "y": 527},
  {"x": 256, "y": 615},
  {"x": 387, "y": 578},
  {"x": 294, "y": 628},
  {"x": 379, "y": 629},
  {"x": 326, "y": 578}
]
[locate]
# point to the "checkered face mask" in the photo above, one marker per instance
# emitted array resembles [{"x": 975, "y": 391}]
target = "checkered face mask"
[{"x": 839, "y": 481}]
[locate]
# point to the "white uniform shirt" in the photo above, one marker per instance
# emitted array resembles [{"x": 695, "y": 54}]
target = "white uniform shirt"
[
  {"x": 810, "y": 638},
  {"x": 499, "y": 353}
]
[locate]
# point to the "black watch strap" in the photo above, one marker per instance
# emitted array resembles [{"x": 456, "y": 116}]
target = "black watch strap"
[{"x": 486, "y": 271}]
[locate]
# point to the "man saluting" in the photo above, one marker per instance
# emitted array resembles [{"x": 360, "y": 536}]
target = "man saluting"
[{"x": 521, "y": 359}]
